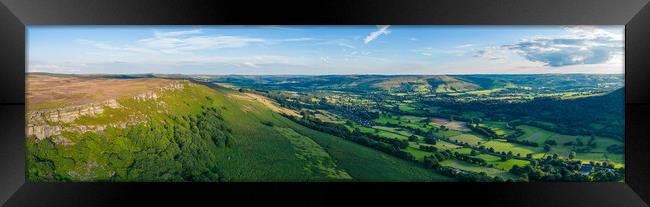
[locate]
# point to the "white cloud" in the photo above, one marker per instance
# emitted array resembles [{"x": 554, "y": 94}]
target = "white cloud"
[
  {"x": 56, "y": 68},
  {"x": 249, "y": 64},
  {"x": 178, "y": 48},
  {"x": 179, "y": 41},
  {"x": 301, "y": 39},
  {"x": 382, "y": 29},
  {"x": 347, "y": 45},
  {"x": 281, "y": 27},
  {"x": 430, "y": 51},
  {"x": 427, "y": 51},
  {"x": 176, "y": 33},
  {"x": 492, "y": 53},
  {"x": 583, "y": 45},
  {"x": 100, "y": 45},
  {"x": 325, "y": 60},
  {"x": 177, "y": 44}
]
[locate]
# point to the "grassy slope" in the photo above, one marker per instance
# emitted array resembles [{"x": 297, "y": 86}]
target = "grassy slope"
[
  {"x": 366, "y": 164},
  {"x": 270, "y": 158}
]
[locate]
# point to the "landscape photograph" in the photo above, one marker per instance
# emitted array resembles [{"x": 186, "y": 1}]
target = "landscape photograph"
[{"x": 364, "y": 103}]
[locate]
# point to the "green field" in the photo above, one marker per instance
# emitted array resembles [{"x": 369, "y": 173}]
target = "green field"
[
  {"x": 502, "y": 146},
  {"x": 406, "y": 108},
  {"x": 499, "y": 128},
  {"x": 599, "y": 153},
  {"x": 468, "y": 138},
  {"x": 476, "y": 168},
  {"x": 534, "y": 134},
  {"x": 319, "y": 162}
]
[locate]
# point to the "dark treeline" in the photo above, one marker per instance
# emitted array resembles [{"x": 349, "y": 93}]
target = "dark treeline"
[
  {"x": 571, "y": 117},
  {"x": 390, "y": 146},
  {"x": 553, "y": 168}
]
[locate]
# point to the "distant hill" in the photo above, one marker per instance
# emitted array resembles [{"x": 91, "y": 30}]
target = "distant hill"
[
  {"x": 602, "y": 115},
  {"x": 423, "y": 83}
]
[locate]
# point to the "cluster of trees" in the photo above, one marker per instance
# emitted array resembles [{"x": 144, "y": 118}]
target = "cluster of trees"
[
  {"x": 489, "y": 132},
  {"x": 579, "y": 145},
  {"x": 390, "y": 146},
  {"x": 433, "y": 162},
  {"x": 483, "y": 130},
  {"x": 428, "y": 148},
  {"x": 473, "y": 160},
  {"x": 553, "y": 168},
  {"x": 615, "y": 148},
  {"x": 176, "y": 148},
  {"x": 523, "y": 142},
  {"x": 430, "y": 140},
  {"x": 571, "y": 117}
]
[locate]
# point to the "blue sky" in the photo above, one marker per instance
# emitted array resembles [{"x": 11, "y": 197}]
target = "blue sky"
[{"x": 318, "y": 50}]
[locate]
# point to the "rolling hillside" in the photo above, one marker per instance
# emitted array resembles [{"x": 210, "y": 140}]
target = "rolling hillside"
[
  {"x": 176, "y": 130},
  {"x": 358, "y": 83}
]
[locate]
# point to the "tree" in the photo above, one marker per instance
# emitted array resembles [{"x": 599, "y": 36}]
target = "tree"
[
  {"x": 572, "y": 155},
  {"x": 551, "y": 142},
  {"x": 413, "y": 138},
  {"x": 430, "y": 141},
  {"x": 547, "y": 148},
  {"x": 579, "y": 142}
]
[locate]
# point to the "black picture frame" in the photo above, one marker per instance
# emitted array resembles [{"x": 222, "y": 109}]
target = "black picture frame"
[{"x": 15, "y": 15}]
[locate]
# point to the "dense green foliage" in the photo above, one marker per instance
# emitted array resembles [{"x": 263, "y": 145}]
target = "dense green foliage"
[{"x": 163, "y": 148}]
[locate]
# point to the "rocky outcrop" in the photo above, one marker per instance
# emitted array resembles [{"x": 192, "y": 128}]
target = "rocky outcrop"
[
  {"x": 69, "y": 114},
  {"x": 51, "y": 122}
]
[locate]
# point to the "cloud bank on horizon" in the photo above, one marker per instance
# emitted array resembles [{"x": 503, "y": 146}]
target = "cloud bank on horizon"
[{"x": 318, "y": 50}]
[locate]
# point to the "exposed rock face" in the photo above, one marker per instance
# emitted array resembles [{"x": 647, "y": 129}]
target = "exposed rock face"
[
  {"x": 46, "y": 123},
  {"x": 50, "y": 122}
]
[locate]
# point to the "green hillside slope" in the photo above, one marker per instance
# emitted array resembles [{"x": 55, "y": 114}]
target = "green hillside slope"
[
  {"x": 260, "y": 129},
  {"x": 201, "y": 134}
]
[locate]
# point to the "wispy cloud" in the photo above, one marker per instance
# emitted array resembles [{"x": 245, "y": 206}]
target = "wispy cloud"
[
  {"x": 56, "y": 68},
  {"x": 280, "y": 27},
  {"x": 347, "y": 45},
  {"x": 382, "y": 29},
  {"x": 172, "y": 43},
  {"x": 176, "y": 44},
  {"x": 177, "y": 47},
  {"x": 301, "y": 39},
  {"x": 99, "y": 45},
  {"x": 426, "y": 51},
  {"x": 176, "y": 33},
  {"x": 430, "y": 51},
  {"x": 492, "y": 53}
]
